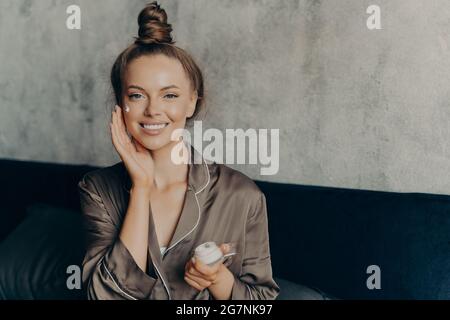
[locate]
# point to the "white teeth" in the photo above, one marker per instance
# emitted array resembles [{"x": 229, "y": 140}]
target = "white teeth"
[{"x": 154, "y": 126}]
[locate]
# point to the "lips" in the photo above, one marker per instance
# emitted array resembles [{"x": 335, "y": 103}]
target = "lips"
[
  {"x": 153, "y": 129},
  {"x": 154, "y": 126}
]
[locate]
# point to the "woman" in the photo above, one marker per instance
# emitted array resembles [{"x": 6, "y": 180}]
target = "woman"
[{"x": 146, "y": 214}]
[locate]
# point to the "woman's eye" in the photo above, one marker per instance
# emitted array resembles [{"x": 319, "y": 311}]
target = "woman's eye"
[
  {"x": 135, "y": 96},
  {"x": 171, "y": 96}
]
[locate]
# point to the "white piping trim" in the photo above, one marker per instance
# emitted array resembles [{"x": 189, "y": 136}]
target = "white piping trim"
[
  {"x": 195, "y": 226},
  {"x": 199, "y": 212},
  {"x": 249, "y": 291},
  {"x": 162, "y": 279},
  {"x": 90, "y": 277},
  {"x": 133, "y": 298},
  {"x": 209, "y": 178},
  {"x": 126, "y": 294}
]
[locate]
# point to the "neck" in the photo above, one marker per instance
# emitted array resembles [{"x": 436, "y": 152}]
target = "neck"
[{"x": 166, "y": 172}]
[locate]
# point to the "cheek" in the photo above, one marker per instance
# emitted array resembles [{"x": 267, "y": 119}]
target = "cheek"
[
  {"x": 130, "y": 117},
  {"x": 177, "y": 111}
]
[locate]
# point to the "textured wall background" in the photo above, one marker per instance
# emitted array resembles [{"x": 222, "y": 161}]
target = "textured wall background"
[{"x": 356, "y": 108}]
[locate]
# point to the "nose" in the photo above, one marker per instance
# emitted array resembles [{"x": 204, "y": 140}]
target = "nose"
[{"x": 152, "y": 109}]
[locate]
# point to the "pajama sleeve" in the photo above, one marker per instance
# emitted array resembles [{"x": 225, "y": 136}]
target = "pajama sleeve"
[
  {"x": 109, "y": 270},
  {"x": 256, "y": 281}
]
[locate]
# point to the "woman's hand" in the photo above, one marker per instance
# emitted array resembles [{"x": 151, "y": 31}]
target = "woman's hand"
[
  {"x": 217, "y": 278},
  {"x": 136, "y": 158}
]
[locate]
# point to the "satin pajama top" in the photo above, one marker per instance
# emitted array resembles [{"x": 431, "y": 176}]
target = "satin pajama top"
[{"x": 221, "y": 205}]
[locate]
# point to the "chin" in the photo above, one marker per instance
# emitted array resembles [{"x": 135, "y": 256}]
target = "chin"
[{"x": 155, "y": 143}]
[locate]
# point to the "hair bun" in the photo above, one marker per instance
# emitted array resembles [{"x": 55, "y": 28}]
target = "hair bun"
[{"x": 153, "y": 26}]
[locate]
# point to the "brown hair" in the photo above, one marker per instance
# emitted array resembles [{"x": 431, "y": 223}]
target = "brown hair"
[{"x": 155, "y": 38}]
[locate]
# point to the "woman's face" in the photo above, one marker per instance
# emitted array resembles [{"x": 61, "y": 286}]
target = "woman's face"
[{"x": 158, "y": 94}]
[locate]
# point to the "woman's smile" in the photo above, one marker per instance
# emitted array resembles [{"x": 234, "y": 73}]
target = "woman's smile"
[{"x": 153, "y": 129}]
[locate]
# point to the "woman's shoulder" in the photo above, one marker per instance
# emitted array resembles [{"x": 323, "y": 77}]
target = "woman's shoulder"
[
  {"x": 103, "y": 178},
  {"x": 233, "y": 181}
]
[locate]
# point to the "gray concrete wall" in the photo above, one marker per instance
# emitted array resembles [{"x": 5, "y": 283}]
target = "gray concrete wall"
[{"x": 356, "y": 108}]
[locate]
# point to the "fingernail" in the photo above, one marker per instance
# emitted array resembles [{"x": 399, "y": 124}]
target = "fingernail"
[{"x": 193, "y": 260}]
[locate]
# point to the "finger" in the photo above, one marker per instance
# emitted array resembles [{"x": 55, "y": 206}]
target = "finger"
[
  {"x": 116, "y": 128},
  {"x": 199, "y": 280},
  {"x": 225, "y": 247},
  {"x": 193, "y": 284},
  {"x": 122, "y": 126},
  {"x": 187, "y": 266},
  {"x": 119, "y": 124},
  {"x": 205, "y": 269},
  {"x": 194, "y": 272},
  {"x": 114, "y": 136}
]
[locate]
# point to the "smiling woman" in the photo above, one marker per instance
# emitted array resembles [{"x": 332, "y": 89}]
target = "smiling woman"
[
  {"x": 146, "y": 214},
  {"x": 159, "y": 96}
]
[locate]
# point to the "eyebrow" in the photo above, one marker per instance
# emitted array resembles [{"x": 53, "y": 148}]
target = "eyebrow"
[{"x": 162, "y": 89}]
